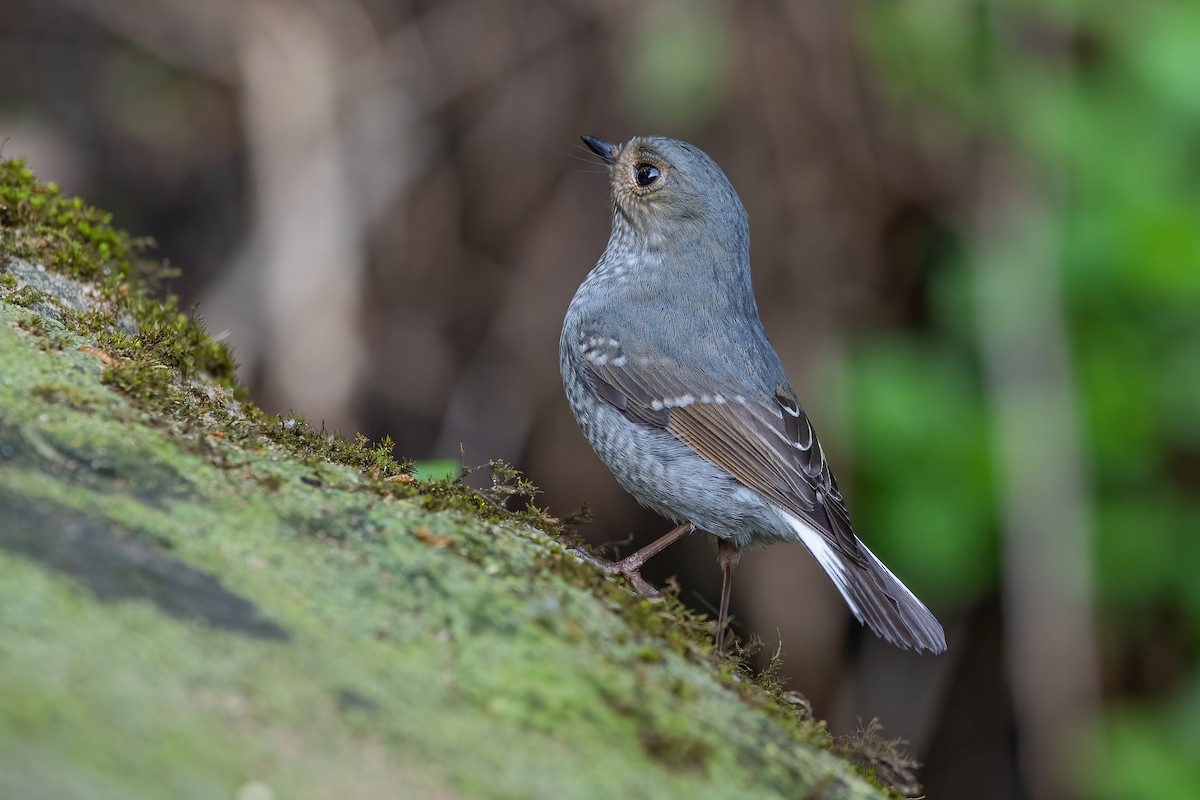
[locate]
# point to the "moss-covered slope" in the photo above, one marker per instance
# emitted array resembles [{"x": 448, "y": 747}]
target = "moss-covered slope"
[{"x": 199, "y": 600}]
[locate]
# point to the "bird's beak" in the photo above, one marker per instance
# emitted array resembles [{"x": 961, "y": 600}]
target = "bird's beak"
[{"x": 606, "y": 151}]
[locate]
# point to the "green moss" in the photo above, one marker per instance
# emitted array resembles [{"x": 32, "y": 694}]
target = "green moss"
[
  {"x": 886, "y": 762},
  {"x": 466, "y": 617},
  {"x": 25, "y": 296},
  {"x": 60, "y": 395},
  {"x": 63, "y": 232},
  {"x": 34, "y": 325}
]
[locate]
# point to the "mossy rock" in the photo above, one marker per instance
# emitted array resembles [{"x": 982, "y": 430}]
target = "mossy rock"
[{"x": 199, "y": 600}]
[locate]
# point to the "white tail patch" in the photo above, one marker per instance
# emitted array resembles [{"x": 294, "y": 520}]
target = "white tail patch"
[
  {"x": 892, "y": 611},
  {"x": 826, "y": 556},
  {"x": 839, "y": 571}
]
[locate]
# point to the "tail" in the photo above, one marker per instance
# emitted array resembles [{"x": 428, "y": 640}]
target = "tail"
[{"x": 875, "y": 596}]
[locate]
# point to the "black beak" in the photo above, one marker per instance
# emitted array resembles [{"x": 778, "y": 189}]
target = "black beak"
[{"x": 606, "y": 151}]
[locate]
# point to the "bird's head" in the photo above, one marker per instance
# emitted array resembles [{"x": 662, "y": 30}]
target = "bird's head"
[{"x": 665, "y": 190}]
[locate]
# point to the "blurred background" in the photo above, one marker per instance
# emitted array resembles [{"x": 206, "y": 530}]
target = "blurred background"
[{"x": 976, "y": 244}]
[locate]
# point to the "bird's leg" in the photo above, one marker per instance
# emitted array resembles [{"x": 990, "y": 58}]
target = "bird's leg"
[
  {"x": 728, "y": 555},
  {"x": 631, "y": 566}
]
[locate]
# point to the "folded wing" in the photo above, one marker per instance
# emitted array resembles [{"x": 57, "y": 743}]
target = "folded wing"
[{"x": 767, "y": 443}]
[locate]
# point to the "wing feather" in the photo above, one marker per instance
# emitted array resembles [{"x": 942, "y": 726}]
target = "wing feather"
[{"x": 767, "y": 445}]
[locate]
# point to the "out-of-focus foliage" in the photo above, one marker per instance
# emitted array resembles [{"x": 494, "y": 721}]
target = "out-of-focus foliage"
[
  {"x": 923, "y": 464},
  {"x": 1156, "y": 752},
  {"x": 1100, "y": 102},
  {"x": 674, "y": 68}
]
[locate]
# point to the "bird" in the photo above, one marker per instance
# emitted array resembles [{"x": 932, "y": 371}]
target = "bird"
[{"x": 669, "y": 373}]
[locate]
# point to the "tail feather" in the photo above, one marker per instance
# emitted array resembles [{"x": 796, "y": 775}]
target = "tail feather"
[{"x": 875, "y": 596}]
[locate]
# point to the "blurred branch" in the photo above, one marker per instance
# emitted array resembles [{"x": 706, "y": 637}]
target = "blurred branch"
[
  {"x": 1045, "y": 506},
  {"x": 332, "y": 139}
]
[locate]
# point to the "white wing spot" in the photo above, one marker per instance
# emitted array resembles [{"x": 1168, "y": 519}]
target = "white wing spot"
[
  {"x": 619, "y": 361},
  {"x": 806, "y": 445},
  {"x": 657, "y": 405}
]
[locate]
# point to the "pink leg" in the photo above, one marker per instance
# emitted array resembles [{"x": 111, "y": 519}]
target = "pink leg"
[
  {"x": 728, "y": 555},
  {"x": 631, "y": 566}
]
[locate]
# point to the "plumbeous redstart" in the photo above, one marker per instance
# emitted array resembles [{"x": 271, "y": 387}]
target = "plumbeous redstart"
[{"x": 670, "y": 375}]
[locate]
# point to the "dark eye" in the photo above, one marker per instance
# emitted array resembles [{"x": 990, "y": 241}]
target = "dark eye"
[{"x": 646, "y": 174}]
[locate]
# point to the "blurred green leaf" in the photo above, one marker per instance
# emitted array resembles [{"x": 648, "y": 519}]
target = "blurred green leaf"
[
  {"x": 1164, "y": 52},
  {"x": 437, "y": 469},
  {"x": 1138, "y": 752},
  {"x": 1134, "y": 544}
]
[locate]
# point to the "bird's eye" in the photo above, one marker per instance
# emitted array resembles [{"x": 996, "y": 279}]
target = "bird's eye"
[{"x": 646, "y": 174}]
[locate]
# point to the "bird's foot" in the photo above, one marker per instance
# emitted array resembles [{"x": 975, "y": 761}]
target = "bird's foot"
[{"x": 629, "y": 568}]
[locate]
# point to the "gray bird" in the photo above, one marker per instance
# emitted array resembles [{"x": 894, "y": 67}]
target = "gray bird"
[{"x": 671, "y": 377}]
